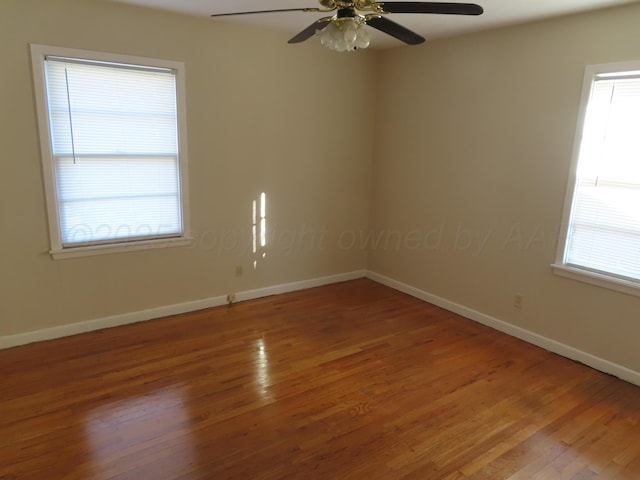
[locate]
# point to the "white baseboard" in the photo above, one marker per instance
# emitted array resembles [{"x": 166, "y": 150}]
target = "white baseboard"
[
  {"x": 164, "y": 311},
  {"x": 302, "y": 285},
  {"x": 528, "y": 336}
]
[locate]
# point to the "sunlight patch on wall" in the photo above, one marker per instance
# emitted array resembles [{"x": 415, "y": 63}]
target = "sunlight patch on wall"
[{"x": 259, "y": 228}]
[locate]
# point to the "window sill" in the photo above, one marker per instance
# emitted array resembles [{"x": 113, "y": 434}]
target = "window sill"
[
  {"x": 599, "y": 279},
  {"x": 74, "y": 252}
]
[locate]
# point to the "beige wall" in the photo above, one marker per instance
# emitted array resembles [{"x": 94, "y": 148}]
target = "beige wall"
[
  {"x": 478, "y": 135},
  {"x": 262, "y": 116}
]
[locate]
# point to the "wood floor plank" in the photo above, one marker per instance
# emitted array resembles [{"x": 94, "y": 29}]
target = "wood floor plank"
[{"x": 348, "y": 381}]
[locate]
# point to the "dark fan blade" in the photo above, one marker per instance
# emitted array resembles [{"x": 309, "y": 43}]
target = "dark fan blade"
[
  {"x": 267, "y": 11},
  {"x": 310, "y": 31},
  {"x": 398, "y": 31},
  {"x": 431, "y": 7}
]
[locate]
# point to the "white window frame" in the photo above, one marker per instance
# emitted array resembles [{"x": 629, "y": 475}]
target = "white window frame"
[
  {"x": 559, "y": 267},
  {"x": 58, "y": 251}
]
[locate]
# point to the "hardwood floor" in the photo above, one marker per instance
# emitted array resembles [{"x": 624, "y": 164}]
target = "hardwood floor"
[{"x": 348, "y": 381}]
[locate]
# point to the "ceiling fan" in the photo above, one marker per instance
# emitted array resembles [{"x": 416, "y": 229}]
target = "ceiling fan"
[{"x": 344, "y": 30}]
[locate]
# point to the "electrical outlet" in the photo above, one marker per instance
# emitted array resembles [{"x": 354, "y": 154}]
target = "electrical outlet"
[
  {"x": 239, "y": 270},
  {"x": 518, "y": 300},
  {"x": 231, "y": 298}
]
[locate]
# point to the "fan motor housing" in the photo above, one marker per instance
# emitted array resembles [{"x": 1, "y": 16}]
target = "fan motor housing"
[
  {"x": 358, "y": 4},
  {"x": 346, "y": 13}
]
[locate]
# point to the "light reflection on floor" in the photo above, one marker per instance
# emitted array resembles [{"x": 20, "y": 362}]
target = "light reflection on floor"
[
  {"x": 139, "y": 426},
  {"x": 262, "y": 370}
]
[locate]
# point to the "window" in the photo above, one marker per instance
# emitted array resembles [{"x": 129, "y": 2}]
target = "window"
[
  {"x": 601, "y": 244},
  {"x": 114, "y": 150}
]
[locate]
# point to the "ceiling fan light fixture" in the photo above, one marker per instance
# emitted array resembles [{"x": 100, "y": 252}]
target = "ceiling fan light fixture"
[
  {"x": 345, "y": 31},
  {"x": 345, "y": 35}
]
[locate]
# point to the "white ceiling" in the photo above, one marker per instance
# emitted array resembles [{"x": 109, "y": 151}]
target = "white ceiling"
[{"x": 496, "y": 13}]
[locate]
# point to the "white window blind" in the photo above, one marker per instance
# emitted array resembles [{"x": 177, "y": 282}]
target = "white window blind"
[
  {"x": 604, "y": 226},
  {"x": 114, "y": 139}
]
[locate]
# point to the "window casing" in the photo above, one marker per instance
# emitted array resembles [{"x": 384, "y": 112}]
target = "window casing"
[
  {"x": 600, "y": 241},
  {"x": 113, "y": 140}
]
